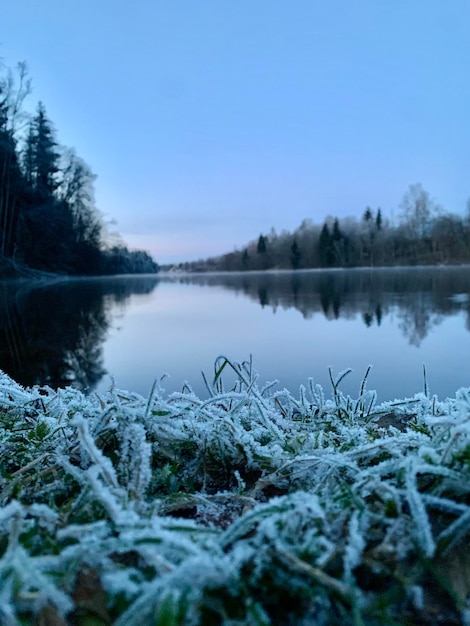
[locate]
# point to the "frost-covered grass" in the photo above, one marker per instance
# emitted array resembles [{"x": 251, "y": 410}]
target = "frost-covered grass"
[{"x": 249, "y": 508}]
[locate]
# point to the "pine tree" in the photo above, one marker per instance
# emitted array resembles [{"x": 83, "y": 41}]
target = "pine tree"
[
  {"x": 264, "y": 259},
  {"x": 28, "y": 158},
  {"x": 378, "y": 219},
  {"x": 337, "y": 234},
  {"x": 326, "y": 252},
  {"x": 245, "y": 260},
  {"x": 295, "y": 255},
  {"x": 368, "y": 216},
  {"x": 46, "y": 229},
  {"x": 261, "y": 247},
  {"x": 43, "y": 155}
]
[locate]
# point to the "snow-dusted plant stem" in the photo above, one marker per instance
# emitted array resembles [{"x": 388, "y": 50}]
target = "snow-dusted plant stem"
[{"x": 250, "y": 506}]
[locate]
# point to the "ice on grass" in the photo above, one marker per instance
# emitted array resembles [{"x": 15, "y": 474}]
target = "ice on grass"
[{"x": 235, "y": 506}]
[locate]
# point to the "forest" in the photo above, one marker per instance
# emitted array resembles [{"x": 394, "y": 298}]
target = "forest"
[
  {"x": 424, "y": 234},
  {"x": 48, "y": 217}
]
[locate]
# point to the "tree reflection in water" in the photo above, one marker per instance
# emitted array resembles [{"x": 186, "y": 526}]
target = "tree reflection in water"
[
  {"x": 53, "y": 332},
  {"x": 419, "y": 297}
]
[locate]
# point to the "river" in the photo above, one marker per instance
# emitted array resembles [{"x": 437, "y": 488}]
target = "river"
[{"x": 130, "y": 331}]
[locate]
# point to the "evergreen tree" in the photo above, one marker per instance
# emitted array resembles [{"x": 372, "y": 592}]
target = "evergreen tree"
[
  {"x": 337, "y": 234},
  {"x": 264, "y": 260},
  {"x": 28, "y": 158},
  {"x": 326, "y": 253},
  {"x": 48, "y": 218},
  {"x": 367, "y": 217},
  {"x": 245, "y": 259},
  {"x": 261, "y": 247},
  {"x": 295, "y": 254},
  {"x": 378, "y": 220},
  {"x": 43, "y": 155},
  {"x": 46, "y": 229}
]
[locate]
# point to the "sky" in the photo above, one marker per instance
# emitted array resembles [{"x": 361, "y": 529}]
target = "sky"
[{"x": 209, "y": 122}]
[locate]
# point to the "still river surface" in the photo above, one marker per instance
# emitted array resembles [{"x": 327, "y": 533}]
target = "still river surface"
[{"x": 295, "y": 325}]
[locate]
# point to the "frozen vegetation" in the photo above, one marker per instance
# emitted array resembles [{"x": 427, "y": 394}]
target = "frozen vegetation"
[{"x": 251, "y": 507}]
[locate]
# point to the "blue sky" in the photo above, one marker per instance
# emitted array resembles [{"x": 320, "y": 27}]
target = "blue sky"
[{"x": 210, "y": 122}]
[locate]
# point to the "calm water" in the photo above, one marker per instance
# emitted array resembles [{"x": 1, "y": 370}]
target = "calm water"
[{"x": 295, "y": 325}]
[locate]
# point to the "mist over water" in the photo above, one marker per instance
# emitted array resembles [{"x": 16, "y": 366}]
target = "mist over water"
[{"x": 295, "y": 325}]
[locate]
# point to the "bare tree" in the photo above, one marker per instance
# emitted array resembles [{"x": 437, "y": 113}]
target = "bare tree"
[
  {"x": 14, "y": 88},
  {"x": 418, "y": 210}
]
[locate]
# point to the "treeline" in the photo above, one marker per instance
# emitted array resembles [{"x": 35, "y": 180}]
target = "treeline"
[
  {"x": 48, "y": 217},
  {"x": 424, "y": 235}
]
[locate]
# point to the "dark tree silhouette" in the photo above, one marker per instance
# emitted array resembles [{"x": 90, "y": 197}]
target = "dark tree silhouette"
[
  {"x": 326, "y": 251},
  {"x": 295, "y": 255},
  {"x": 48, "y": 217}
]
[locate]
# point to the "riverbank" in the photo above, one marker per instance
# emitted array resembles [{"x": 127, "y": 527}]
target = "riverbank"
[
  {"x": 10, "y": 270},
  {"x": 248, "y": 507}
]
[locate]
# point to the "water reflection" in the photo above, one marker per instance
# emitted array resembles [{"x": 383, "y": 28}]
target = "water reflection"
[
  {"x": 53, "y": 333},
  {"x": 419, "y": 298},
  {"x": 57, "y": 333}
]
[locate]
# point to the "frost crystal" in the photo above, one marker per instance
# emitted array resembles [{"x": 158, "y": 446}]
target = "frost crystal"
[{"x": 250, "y": 506}]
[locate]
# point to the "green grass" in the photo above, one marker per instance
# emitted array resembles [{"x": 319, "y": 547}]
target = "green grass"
[{"x": 250, "y": 506}]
